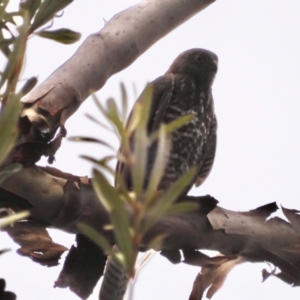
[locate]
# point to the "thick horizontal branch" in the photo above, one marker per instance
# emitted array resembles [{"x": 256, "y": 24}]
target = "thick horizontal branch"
[
  {"x": 63, "y": 203},
  {"x": 123, "y": 39}
]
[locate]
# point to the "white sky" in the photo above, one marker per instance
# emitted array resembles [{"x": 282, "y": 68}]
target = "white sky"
[{"x": 256, "y": 94}]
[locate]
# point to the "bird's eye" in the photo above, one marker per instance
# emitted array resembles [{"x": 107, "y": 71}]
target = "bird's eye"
[{"x": 198, "y": 58}]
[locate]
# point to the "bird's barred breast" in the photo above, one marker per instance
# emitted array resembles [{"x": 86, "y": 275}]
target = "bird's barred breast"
[{"x": 187, "y": 142}]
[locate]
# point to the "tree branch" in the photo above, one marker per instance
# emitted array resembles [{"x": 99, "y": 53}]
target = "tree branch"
[
  {"x": 63, "y": 203},
  {"x": 123, "y": 39}
]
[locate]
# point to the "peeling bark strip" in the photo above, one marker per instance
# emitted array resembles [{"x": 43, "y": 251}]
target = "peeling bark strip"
[
  {"x": 83, "y": 267},
  {"x": 123, "y": 39},
  {"x": 248, "y": 235}
]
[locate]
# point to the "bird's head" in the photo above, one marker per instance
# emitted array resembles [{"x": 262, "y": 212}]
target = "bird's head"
[{"x": 199, "y": 63}]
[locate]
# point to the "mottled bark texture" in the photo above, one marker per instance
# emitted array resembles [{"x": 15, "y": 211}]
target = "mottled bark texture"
[{"x": 63, "y": 203}]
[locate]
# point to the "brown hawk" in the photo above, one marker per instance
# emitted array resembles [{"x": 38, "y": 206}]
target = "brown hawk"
[{"x": 186, "y": 88}]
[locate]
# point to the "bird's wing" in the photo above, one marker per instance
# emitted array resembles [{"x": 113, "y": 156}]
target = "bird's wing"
[
  {"x": 162, "y": 90},
  {"x": 209, "y": 155}
]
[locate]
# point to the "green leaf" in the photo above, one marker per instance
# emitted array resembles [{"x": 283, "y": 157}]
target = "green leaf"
[
  {"x": 146, "y": 104},
  {"x": 9, "y": 170},
  {"x": 141, "y": 109},
  {"x": 139, "y": 159},
  {"x": 159, "y": 164},
  {"x": 145, "y": 259},
  {"x": 105, "y": 113},
  {"x": 124, "y": 99},
  {"x": 90, "y": 140},
  {"x": 9, "y": 18},
  {"x": 164, "y": 203},
  {"x": 47, "y": 11},
  {"x": 101, "y": 162},
  {"x": 114, "y": 118},
  {"x": 13, "y": 218},
  {"x": 2, "y": 9},
  {"x": 172, "y": 126},
  {"x": 16, "y": 56},
  {"x": 9, "y": 116},
  {"x": 157, "y": 242},
  {"x": 98, "y": 238},
  {"x": 111, "y": 200},
  {"x": 63, "y": 35},
  {"x": 99, "y": 123},
  {"x": 4, "y": 44},
  {"x": 28, "y": 86},
  {"x": 121, "y": 187},
  {"x": 30, "y": 5},
  {"x": 99, "y": 105},
  {"x": 182, "y": 207},
  {"x": 141, "y": 140}
]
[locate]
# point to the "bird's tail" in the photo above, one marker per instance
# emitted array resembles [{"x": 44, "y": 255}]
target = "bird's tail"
[{"x": 115, "y": 281}]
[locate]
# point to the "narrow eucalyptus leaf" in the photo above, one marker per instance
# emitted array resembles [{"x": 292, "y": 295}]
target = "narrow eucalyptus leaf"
[
  {"x": 30, "y": 5},
  {"x": 9, "y": 116},
  {"x": 120, "y": 184},
  {"x": 182, "y": 207},
  {"x": 139, "y": 158},
  {"x": 114, "y": 118},
  {"x": 90, "y": 140},
  {"x": 157, "y": 242},
  {"x": 99, "y": 105},
  {"x": 119, "y": 257},
  {"x": 98, "y": 238},
  {"x": 146, "y": 104},
  {"x": 174, "y": 125},
  {"x": 112, "y": 115},
  {"x": 112, "y": 112},
  {"x": 140, "y": 146},
  {"x": 5, "y": 42},
  {"x": 9, "y": 18},
  {"x": 47, "y": 11},
  {"x": 159, "y": 166},
  {"x": 3, "y": 9},
  {"x": 119, "y": 218},
  {"x": 28, "y": 86},
  {"x": 99, "y": 123},
  {"x": 63, "y": 35},
  {"x": 175, "y": 190},
  {"x": 102, "y": 190},
  {"x": 134, "y": 119},
  {"x": 145, "y": 259},
  {"x": 16, "y": 56},
  {"x": 168, "y": 198},
  {"x": 13, "y": 218},
  {"x": 141, "y": 110},
  {"x": 124, "y": 98},
  {"x": 101, "y": 162}
]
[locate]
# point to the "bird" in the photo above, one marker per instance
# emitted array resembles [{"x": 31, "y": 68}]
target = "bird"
[{"x": 186, "y": 88}]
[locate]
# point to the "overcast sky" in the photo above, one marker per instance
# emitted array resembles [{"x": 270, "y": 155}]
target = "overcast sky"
[{"x": 257, "y": 102}]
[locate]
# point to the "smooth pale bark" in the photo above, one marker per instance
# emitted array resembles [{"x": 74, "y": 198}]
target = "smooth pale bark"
[{"x": 122, "y": 40}]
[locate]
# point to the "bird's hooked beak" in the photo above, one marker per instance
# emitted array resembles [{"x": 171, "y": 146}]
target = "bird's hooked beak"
[{"x": 214, "y": 66}]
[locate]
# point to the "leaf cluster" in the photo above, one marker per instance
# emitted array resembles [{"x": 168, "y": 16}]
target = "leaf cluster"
[
  {"x": 15, "y": 33},
  {"x": 146, "y": 206},
  {"x": 15, "y": 29}
]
